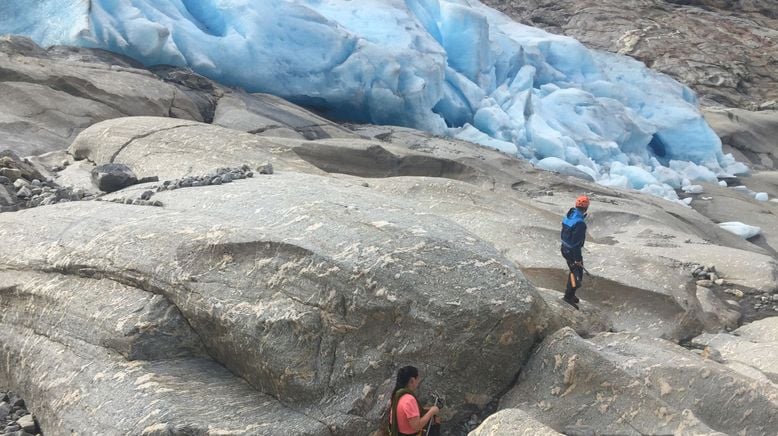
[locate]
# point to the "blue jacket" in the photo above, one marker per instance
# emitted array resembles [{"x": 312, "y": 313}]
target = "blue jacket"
[{"x": 573, "y": 234}]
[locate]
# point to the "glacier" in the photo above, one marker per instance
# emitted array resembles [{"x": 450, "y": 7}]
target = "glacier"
[{"x": 450, "y": 67}]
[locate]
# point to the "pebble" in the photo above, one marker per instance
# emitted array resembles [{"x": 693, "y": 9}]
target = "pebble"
[
  {"x": 774, "y": 297},
  {"x": 704, "y": 283},
  {"x": 24, "y": 192},
  {"x": 46, "y": 192},
  {"x": 736, "y": 292},
  {"x": 719, "y": 282},
  {"x": 11, "y": 173},
  {"x": 265, "y": 168},
  {"x": 14, "y": 417}
]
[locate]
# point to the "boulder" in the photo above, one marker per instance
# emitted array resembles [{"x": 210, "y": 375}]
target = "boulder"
[
  {"x": 15, "y": 167},
  {"x": 717, "y": 315},
  {"x": 113, "y": 177},
  {"x": 752, "y": 349},
  {"x": 27, "y": 423},
  {"x": 5, "y": 410},
  {"x": 512, "y": 422},
  {"x": 311, "y": 289},
  {"x": 153, "y": 146},
  {"x": 622, "y": 383}
]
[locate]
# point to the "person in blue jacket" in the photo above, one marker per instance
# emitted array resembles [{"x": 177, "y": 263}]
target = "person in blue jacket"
[{"x": 573, "y": 237}]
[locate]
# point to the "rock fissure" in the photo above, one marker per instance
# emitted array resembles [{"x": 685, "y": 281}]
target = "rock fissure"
[{"x": 141, "y": 136}]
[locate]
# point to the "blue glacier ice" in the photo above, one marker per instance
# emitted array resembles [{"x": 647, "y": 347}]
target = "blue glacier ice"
[{"x": 453, "y": 67}]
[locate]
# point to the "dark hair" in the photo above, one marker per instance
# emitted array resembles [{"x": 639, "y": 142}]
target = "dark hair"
[{"x": 404, "y": 375}]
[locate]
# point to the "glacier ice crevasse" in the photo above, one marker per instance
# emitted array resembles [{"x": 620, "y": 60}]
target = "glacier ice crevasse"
[{"x": 452, "y": 67}]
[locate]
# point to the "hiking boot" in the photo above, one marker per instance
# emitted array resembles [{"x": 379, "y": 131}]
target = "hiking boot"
[
  {"x": 571, "y": 302},
  {"x": 576, "y": 299}
]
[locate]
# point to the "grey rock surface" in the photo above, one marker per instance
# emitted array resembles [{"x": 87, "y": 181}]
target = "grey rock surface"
[
  {"x": 506, "y": 202},
  {"x": 512, "y": 422},
  {"x": 752, "y": 349},
  {"x": 627, "y": 384},
  {"x": 314, "y": 291},
  {"x": 51, "y": 95},
  {"x": 268, "y": 115},
  {"x": 724, "y": 50},
  {"x": 751, "y": 136},
  {"x": 282, "y": 302},
  {"x": 153, "y": 146}
]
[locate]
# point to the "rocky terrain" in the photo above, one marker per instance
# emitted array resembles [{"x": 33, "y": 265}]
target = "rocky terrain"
[
  {"x": 15, "y": 419},
  {"x": 724, "y": 50},
  {"x": 266, "y": 271}
]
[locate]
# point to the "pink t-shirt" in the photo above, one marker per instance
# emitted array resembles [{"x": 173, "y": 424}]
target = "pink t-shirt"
[{"x": 407, "y": 408}]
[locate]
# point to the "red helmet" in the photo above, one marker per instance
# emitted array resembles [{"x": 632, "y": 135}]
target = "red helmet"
[{"x": 582, "y": 202}]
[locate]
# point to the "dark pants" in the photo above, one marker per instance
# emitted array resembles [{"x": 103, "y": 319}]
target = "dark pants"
[{"x": 575, "y": 276}]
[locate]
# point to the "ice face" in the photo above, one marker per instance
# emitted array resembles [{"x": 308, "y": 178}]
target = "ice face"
[{"x": 451, "y": 67}]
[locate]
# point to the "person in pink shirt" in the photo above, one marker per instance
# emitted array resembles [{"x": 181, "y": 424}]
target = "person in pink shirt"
[{"x": 407, "y": 409}]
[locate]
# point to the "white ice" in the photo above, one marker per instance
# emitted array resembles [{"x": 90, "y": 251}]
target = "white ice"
[
  {"x": 451, "y": 67},
  {"x": 743, "y": 230}
]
